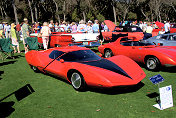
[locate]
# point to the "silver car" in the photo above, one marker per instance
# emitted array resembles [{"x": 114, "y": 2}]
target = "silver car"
[{"x": 163, "y": 39}]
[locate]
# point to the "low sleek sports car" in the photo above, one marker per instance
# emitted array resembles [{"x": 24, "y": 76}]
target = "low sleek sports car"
[
  {"x": 82, "y": 67},
  {"x": 163, "y": 39},
  {"x": 151, "y": 55}
]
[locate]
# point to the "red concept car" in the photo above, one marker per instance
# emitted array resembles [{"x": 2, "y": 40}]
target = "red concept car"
[
  {"x": 82, "y": 67},
  {"x": 151, "y": 55}
]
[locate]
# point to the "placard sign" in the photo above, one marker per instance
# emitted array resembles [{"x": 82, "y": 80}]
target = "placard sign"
[
  {"x": 156, "y": 79},
  {"x": 166, "y": 99}
]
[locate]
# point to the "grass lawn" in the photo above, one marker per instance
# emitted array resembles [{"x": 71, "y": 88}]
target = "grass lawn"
[{"x": 54, "y": 98}]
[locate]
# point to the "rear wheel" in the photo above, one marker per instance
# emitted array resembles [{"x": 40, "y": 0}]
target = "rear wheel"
[
  {"x": 77, "y": 81},
  {"x": 108, "y": 53},
  {"x": 152, "y": 63}
]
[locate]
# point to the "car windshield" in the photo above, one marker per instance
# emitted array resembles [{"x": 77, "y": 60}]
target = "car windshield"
[
  {"x": 135, "y": 43},
  {"x": 80, "y": 55}
]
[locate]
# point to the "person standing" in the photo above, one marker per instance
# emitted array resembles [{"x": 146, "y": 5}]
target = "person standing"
[
  {"x": 95, "y": 27},
  {"x": 167, "y": 27},
  {"x": 45, "y": 31},
  {"x": 1, "y": 31},
  {"x": 148, "y": 32},
  {"x": 18, "y": 29},
  {"x": 82, "y": 27},
  {"x": 25, "y": 33},
  {"x": 7, "y": 30},
  {"x": 14, "y": 38},
  {"x": 51, "y": 26},
  {"x": 89, "y": 27},
  {"x": 74, "y": 27}
]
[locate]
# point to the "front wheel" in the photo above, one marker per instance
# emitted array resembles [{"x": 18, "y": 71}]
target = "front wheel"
[
  {"x": 34, "y": 68},
  {"x": 152, "y": 63},
  {"x": 108, "y": 53},
  {"x": 77, "y": 81}
]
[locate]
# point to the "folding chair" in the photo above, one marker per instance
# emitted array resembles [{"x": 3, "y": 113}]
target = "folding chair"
[
  {"x": 32, "y": 43},
  {"x": 5, "y": 48}
]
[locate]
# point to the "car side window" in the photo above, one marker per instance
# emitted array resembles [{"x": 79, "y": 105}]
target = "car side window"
[
  {"x": 126, "y": 43},
  {"x": 55, "y": 53},
  {"x": 164, "y": 37},
  {"x": 136, "y": 43},
  {"x": 174, "y": 37},
  {"x": 67, "y": 57}
]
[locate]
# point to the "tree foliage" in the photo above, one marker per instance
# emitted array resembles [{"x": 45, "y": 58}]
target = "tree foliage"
[{"x": 75, "y": 10}]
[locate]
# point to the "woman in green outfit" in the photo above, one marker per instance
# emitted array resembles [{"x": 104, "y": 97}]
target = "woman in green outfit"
[{"x": 14, "y": 39}]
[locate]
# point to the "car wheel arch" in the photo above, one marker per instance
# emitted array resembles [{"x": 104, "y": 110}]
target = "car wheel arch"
[
  {"x": 70, "y": 72},
  {"x": 149, "y": 56},
  {"x": 83, "y": 84}
]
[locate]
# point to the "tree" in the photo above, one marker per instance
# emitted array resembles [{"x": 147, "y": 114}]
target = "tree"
[{"x": 15, "y": 11}]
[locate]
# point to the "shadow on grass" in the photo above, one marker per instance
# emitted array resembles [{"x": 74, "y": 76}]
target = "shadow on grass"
[
  {"x": 1, "y": 72},
  {"x": 6, "y": 107},
  {"x": 117, "y": 90},
  {"x": 7, "y": 63},
  {"x": 18, "y": 56}
]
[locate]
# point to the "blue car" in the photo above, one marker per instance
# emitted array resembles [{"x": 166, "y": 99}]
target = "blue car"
[{"x": 163, "y": 39}]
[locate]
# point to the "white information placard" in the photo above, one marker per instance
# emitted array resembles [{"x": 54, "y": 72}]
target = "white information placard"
[{"x": 166, "y": 99}]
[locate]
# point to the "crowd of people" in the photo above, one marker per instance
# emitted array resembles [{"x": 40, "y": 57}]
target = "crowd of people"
[
  {"x": 23, "y": 30},
  {"x": 148, "y": 27}
]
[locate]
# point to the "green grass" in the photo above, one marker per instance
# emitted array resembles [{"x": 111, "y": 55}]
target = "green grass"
[{"x": 54, "y": 98}]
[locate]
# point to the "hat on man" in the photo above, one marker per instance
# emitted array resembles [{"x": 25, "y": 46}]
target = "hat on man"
[{"x": 25, "y": 19}]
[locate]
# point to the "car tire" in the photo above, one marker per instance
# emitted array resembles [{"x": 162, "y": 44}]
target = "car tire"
[
  {"x": 78, "y": 81},
  {"x": 108, "y": 53},
  {"x": 152, "y": 63},
  {"x": 35, "y": 69}
]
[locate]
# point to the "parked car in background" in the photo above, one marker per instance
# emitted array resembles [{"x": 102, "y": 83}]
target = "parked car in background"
[
  {"x": 163, "y": 39},
  {"x": 147, "y": 53},
  {"x": 132, "y": 31}
]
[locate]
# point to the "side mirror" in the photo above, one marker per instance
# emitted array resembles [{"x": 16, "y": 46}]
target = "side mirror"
[{"x": 62, "y": 61}]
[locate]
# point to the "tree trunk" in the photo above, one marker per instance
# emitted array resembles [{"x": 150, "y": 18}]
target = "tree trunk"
[
  {"x": 5, "y": 12},
  {"x": 84, "y": 16},
  {"x": 146, "y": 17},
  {"x": 36, "y": 14},
  {"x": 15, "y": 12},
  {"x": 2, "y": 14},
  {"x": 57, "y": 12},
  {"x": 32, "y": 16},
  {"x": 64, "y": 10},
  {"x": 114, "y": 11}
]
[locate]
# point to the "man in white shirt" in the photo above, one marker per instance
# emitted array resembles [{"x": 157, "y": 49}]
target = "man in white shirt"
[{"x": 167, "y": 27}]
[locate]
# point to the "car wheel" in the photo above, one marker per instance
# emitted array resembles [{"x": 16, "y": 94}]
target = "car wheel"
[
  {"x": 152, "y": 63},
  {"x": 34, "y": 68},
  {"x": 77, "y": 81},
  {"x": 108, "y": 53}
]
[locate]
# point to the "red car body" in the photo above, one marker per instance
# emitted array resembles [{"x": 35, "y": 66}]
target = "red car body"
[
  {"x": 115, "y": 30},
  {"x": 161, "y": 25},
  {"x": 114, "y": 71},
  {"x": 57, "y": 40},
  {"x": 149, "y": 54}
]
